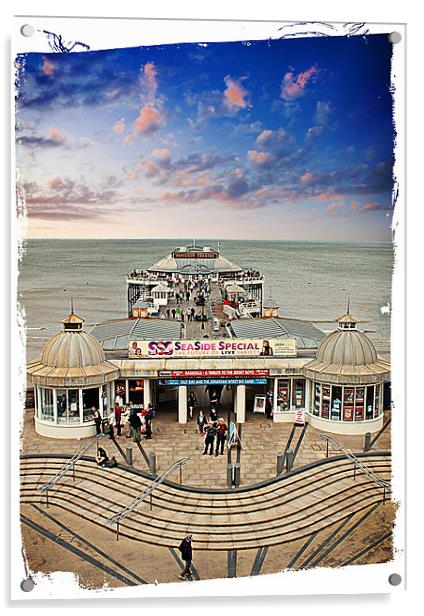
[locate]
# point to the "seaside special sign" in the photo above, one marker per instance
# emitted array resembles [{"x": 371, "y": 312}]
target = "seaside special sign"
[{"x": 238, "y": 347}]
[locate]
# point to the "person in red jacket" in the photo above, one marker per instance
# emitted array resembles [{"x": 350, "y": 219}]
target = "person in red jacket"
[{"x": 222, "y": 435}]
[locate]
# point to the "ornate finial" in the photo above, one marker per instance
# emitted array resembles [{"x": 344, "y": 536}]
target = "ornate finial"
[
  {"x": 348, "y": 305},
  {"x": 72, "y": 305}
]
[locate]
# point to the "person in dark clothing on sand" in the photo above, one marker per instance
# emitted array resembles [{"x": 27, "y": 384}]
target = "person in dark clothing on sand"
[{"x": 187, "y": 556}]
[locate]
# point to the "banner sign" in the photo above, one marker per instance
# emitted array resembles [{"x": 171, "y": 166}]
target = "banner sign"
[
  {"x": 172, "y": 374},
  {"x": 234, "y": 347},
  {"x": 177, "y": 382},
  {"x": 195, "y": 255},
  {"x": 300, "y": 416}
]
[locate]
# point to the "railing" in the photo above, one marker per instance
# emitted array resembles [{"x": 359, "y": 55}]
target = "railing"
[
  {"x": 368, "y": 442},
  {"x": 70, "y": 464},
  {"x": 358, "y": 464},
  {"x": 116, "y": 519}
]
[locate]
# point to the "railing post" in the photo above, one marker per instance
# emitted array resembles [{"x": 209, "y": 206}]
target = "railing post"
[
  {"x": 152, "y": 462},
  {"x": 229, "y": 475},
  {"x": 181, "y": 474},
  {"x": 354, "y": 469},
  {"x": 367, "y": 444},
  {"x": 73, "y": 472},
  {"x": 47, "y": 499},
  {"x": 129, "y": 454},
  {"x": 384, "y": 495},
  {"x": 326, "y": 453},
  {"x": 289, "y": 459},
  {"x": 280, "y": 462},
  {"x": 237, "y": 474},
  {"x": 117, "y": 531}
]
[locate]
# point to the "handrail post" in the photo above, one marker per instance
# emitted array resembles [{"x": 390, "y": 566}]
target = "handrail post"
[
  {"x": 181, "y": 474},
  {"x": 47, "y": 499},
  {"x": 354, "y": 469},
  {"x": 117, "y": 530},
  {"x": 73, "y": 472},
  {"x": 326, "y": 453}
]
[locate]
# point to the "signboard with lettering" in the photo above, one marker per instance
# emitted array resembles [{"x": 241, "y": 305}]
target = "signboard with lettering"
[
  {"x": 234, "y": 347},
  {"x": 206, "y": 381},
  {"x": 172, "y": 374},
  {"x": 195, "y": 255}
]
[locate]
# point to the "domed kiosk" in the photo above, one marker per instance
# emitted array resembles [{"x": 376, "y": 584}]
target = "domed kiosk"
[
  {"x": 70, "y": 378},
  {"x": 347, "y": 380}
]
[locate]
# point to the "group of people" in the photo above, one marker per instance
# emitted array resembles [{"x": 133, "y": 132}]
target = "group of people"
[
  {"x": 137, "y": 422},
  {"x": 215, "y": 430}
]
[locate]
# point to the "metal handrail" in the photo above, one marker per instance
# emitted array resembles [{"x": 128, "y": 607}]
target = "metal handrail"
[
  {"x": 70, "y": 463},
  {"x": 380, "y": 482},
  {"x": 116, "y": 519}
]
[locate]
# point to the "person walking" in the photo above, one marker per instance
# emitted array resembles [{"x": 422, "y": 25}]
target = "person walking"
[
  {"x": 173, "y": 313},
  {"x": 125, "y": 420},
  {"x": 186, "y": 550},
  {"x": 191, "y": 403},
  {"x": 211, "y": 432},
  {"x": 222, "y": 430},
  {"x": 97, "y": 418},
  {"x": 118, "y": 413}
]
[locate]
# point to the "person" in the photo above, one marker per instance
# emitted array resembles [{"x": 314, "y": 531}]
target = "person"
[
  {"x": 125, "y": 420},
  {"x": 191, "y": 402},
  {"x": 173, "y": 312},
  {"x": 111, "y": 423},
  {"x": 214, "y": 403},
  {"x": 266, "y": 349},
  {"x": 268, "y": 404},
  {"x": 187, "y": 556},
  {"x": 135, "y": 423},
  {"x": 118, "y": 413},
  {"x": 211, "y": 432},
  {"x": 222, "y": 430},
  {"x": 97, "y": 418},
  {"x": 148, "y": 417},
  {"x": 201, "y": 420},
  {"x": 101, "y": 456}
]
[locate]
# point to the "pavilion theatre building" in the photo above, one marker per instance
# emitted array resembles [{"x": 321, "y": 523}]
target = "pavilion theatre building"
[{"x": 334, "y": 381}]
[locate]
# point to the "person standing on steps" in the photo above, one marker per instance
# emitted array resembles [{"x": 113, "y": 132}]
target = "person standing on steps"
[
  {"x": 222, "y": 430},
  {"x": 111, "y": 422},
  {"x": 187, "y": 556},
  {"x": 211, "y": 432}
]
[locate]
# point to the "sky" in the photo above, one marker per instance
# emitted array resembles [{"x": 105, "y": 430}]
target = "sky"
[{"x": 278, "y": 140}]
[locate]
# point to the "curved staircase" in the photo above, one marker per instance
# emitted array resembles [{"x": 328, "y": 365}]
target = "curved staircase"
[{"x": 284, "y": 510}]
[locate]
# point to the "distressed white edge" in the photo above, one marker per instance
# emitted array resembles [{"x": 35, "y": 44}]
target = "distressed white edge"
[{"x": 355, "y": 579}]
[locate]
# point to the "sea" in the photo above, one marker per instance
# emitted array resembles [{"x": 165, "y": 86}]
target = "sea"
[{"x": 309, "y": 280}]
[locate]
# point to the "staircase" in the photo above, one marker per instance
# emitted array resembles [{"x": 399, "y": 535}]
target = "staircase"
[{"x": 286, "y": 509}]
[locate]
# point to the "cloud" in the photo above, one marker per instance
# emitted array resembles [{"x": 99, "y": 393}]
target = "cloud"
[
  {"x": 162, "y": 153},
  {"x": 260, "y": 158},
  {"x": 235, "y": 96},
  {"x": 57, "y": 135},
  {"x": 313, "y": 132},
  {"x": 294, "y": 85},
  {"x": 334, "y": 208},
  {"x": 323, "y": 112},
  {"x": 149, "y": 120},
  {"x": 149, "y": 84},
  {"x": 119, "y": 126},
  {"x": 47, "y": 68}
]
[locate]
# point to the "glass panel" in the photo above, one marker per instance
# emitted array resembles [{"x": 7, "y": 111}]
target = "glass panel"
[
  {"x": 136, "y": 392},
  {"x": 326, "y": 399},
  {"x": 47, "y": 404},
  {"x": 336, "y": 405},
  {"x": 359, "y": 403},
  {"x": 68, "y": 406},
  {"x": 283, "y": 395},
  {"x": 370, "y": 402},
  {"x": 317, "y": 399},
  {"x": 348, "y": 401},
  {"x": 377, "y": 401},
  {"x": 299, "y": 393},
  {"x": 90, "y": 402}
]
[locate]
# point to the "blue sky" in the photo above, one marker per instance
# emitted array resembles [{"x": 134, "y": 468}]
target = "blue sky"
[{"x": 287, "y": 139}]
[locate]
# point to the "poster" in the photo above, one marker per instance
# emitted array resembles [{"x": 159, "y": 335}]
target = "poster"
[{"x": 142, "y": 109}]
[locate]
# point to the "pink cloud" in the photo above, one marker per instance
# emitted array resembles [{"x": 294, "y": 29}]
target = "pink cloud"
[
  {"x": 294, "y": 85},
  {"x": 149, "y": 82},
  {"x": 334, "y": 207},
  {"x": 264, "y": 136},
  {"x": 354, "y": 205},
  {"x": 56, "y": 135},
  {"x": 235, "y": 96},
  {"x": 307, "y": 177},
  {"x": 119, "y": 126},
  {"x": 129, "y": 138},
  {"x": 162, "y": 153},
  {"x": 48, "y": 67},
  {"x": 149, "y": 120},
  {"x": 259, "y": 158}
]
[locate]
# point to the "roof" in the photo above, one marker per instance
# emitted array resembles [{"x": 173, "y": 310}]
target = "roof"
[
  {"x": 115, "y": 335},
  {"x": 347, "y": 355},
  {"x": 234, "y": 288},
  {"x": 73, "y": 318},
  {"x": 161, "y": 288},
  {"x": 194, "y": 265},
  {"x": 347, "y": 318},
  {"x": 307, "y": 336}
]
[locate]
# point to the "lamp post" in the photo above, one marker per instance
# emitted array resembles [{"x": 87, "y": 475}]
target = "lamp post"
[{"x": 203, "y": 315}]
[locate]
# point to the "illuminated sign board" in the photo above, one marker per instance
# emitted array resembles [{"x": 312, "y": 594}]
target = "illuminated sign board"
[
  {"x": 246, "y": 381},
  {"x": 235, "y": 347},
  {"x": 172, "y": 374}
]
